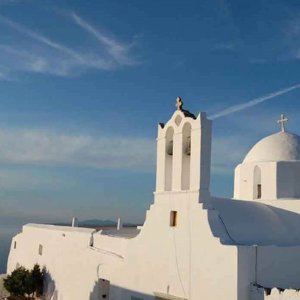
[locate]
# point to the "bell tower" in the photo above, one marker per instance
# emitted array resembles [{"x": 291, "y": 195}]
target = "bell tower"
[{"x": 184, "y": 154}]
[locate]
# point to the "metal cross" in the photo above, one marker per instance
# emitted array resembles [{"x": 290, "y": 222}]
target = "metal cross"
[
  {"x": 179, "y": 103},
  {"x": 282, "y": 121}
]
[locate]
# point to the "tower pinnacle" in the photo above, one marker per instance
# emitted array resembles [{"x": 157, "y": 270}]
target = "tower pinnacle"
[{"x": 179, "y": 103}]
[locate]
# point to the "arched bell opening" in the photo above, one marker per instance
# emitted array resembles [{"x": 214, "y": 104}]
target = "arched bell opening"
[
  {"x": 257, "y": 193},
  {"x": 169, "y": 159},
  {"x": 186, "y": 157}
]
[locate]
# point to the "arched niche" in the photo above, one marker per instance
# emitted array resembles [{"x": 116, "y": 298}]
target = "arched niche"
[
  {"x": 169, "y": 159},
  {"x": 178, "y": 120},
  {"x": 186, "y": 156},
  {"x": 257, "y": 186}
]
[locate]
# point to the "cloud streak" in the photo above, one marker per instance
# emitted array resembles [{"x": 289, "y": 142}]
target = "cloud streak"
[
  {"x": 41, "y": 54},
  {"x": 38, "y": 37},
  {"x": 43, "y": 148},
  {"x": 227, "y": 153},
  {"x": 253, "y": 102},
  {"x": 117, "y": 50},
  {"x": 33, "y": 147}
]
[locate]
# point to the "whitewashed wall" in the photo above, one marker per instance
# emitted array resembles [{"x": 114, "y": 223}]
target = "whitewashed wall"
[
  {"x": 278, "y": 180},
  {"x": 181, "y": 261},
  {"x": 244, "y": 184}
]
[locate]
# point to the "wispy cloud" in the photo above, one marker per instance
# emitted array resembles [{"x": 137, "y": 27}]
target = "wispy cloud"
[
  {"x": 3, "y": 76},
  {"x": 26, "y": 180},
  {"x": 227, "y": 153},
  {"x": 290, "y": 31},
  {"x": 253, "y": 102},
  {"x": 45, "y": 62},
  {"x": 39, "y": 37},
  {"x": 35, "y": 147},
  {"x": 119, "y": 51},
  {"x": 4, "y": 2},
  {"x": 42, "y": 54}
]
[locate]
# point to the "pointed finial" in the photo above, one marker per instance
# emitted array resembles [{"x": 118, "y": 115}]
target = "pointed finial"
[
  {"x": 179, "y": 103},
  {"x": 282, "y": 121}
]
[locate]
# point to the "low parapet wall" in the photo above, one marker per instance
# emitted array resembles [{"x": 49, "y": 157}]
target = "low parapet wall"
[{"x": 261, "y": 293}]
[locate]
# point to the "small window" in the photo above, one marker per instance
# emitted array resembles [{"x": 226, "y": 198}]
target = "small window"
[
  {"x": 15, "y": 245},
  {"x": 91, "y": 242},
  {"x": 136, "y": 298},
  {"x": 173, "y": 218},
  {"x": 40, "y": 249},
  {"x": 259, "y": 191}
]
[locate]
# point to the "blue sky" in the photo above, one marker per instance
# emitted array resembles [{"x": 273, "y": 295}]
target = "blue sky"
[{"x": 83, "y": 85}]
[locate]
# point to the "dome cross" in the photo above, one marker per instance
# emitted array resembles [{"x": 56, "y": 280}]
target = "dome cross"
[{"x": 282, "y": 121}]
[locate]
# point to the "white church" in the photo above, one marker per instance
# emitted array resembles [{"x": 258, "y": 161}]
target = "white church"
[{"x": 192, "y": 245}]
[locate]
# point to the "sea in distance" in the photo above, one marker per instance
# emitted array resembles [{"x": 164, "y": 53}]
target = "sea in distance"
[{"x": 6, "y": 234}]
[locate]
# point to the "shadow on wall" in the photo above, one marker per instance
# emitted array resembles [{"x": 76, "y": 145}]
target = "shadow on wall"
[
  {"x": 50, "y": 292},
  {"x": 103, "y": 290},
  {"x": 95, "y": 293},
  {"x": 267, "y": 240},
  {"x": 247, "y": 223}
]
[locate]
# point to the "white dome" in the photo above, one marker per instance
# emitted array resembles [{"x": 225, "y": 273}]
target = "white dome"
[{"x": 280, "y": 146}]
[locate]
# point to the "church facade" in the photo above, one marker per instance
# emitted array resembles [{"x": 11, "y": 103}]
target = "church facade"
[{"x": 192, "y": 245}]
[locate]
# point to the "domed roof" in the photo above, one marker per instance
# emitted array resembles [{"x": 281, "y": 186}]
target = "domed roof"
[{"x": 281, "y": 146}]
